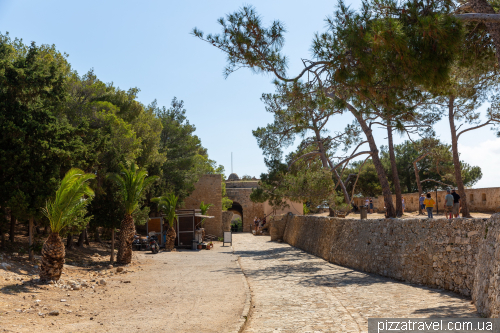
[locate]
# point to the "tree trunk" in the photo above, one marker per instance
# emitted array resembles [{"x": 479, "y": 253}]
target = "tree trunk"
[
  {"x": 395, "y": 175},
  {"x": 12, "y": 227},
  {"x": 382, "y": 177},
  {"x": 417, "y": 175},
  {"x": 484, "y": 7},
  {"x": 69, "y": 242},
  {"x": 30, "y": 232},
  {"x": 81, "y": 238},
  {"x": 86, "y": 237},
  {"x": 96, "y": 235},
  {"x": 127, "y": 233},
  {"x": 52, "y": 258},
  {"x": 2, "y": 238},
  {"x": 456, "y": 158},
  {"x": 170, "y": 239},
  {"x": 324, "y": 161},
  {"x": 37, "y": 227},
  {"x": 112, "y": 258}
]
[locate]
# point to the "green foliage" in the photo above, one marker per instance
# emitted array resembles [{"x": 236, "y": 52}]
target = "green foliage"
[
  {"x": 36, "y": 146},
  {"x": 204, "y": 207},
  {"x": 141, "y": 216},
  {"x": 368, "y": 184},
  {"x": 167, "y": 204},
  {"x": 69, "y": 205},
  {"x": 132, "y": 183},
  {"x": 226, "y": 202}
]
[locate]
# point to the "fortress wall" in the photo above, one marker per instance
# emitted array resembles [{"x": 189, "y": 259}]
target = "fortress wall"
[
  {"x": 460, "y": 255},
  {"x": 209, "y": 190},
  {"x": 478, "y": 199}
]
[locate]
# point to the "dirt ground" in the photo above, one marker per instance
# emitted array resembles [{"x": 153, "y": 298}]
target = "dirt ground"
[{"x": 168, "y": 292}]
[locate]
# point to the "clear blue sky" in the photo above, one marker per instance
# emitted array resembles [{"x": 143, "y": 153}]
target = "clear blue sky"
[{"x": 148, "y": 45}]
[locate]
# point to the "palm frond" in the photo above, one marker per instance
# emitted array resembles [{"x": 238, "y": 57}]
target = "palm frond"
[
  {"x": 132, "y": 183},
  {"x": 69, "y": 200},
  {"x": 167, "y": 204}
]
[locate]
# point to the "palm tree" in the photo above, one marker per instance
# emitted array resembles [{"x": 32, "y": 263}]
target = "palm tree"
[
  {"x": 132, "y": 183},
  {"x": 167, "y": 205},
  {"x": 204, "y": 208},
  {"x": 66, "y": 210}
]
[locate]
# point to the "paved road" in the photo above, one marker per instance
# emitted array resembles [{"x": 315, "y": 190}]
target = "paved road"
[{"x": 293, "y": 291}]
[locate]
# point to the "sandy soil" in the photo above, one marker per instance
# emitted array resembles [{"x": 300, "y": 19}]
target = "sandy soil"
[{"x": 168, "y": 292}]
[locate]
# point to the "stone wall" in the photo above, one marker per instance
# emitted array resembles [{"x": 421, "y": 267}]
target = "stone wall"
[
  {"x": 486, "y": 292},
  {"x": 239, "y": 191},
  {"x": 226, "y": 221},
  {"x": 460, "y": 255},
  {"x": 250, "y": 209},
  {"x": 209, "y": 190},
  {"x": 478, "y": 199}
]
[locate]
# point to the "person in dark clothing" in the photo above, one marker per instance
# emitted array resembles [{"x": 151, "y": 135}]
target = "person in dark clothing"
[{"x": 456, "y": 203}]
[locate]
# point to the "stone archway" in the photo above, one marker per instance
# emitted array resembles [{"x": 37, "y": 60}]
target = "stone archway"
[{"x": 237, "y": 210}]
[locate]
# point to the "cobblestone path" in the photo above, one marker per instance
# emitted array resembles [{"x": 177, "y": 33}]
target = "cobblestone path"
[{"x": 293, "y": 291}]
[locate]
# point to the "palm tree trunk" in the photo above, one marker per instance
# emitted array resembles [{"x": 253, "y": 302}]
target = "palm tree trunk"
[
  {"x": 395, "y": 175},
  {"x": 127, "y": 232},
  {"x": 456, "y": 158},
  {"x": 170, "y": 239},
  {"x": 52, "y": 258}
]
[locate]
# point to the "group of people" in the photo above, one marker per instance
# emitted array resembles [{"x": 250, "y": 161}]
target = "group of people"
[
  {"x": 451, "y": 204},
  {"x": 259, "y": 223}
]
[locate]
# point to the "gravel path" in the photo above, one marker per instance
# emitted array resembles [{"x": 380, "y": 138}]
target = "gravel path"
[
  {"x": 293, "y": 291},
  {"x": 184, "y": 291}
]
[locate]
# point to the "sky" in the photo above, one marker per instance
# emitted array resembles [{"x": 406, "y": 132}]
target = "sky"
[{"x": 147, "y": 44}]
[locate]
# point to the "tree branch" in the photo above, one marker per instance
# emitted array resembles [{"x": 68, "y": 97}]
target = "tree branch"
[
  {"x": 298, "y": 158},
  {"x": 473, "y": 128},
  {"x": 479, "y": 17},
  {"x": 350, "y": 158}
]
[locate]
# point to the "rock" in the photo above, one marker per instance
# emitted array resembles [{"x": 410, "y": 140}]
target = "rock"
[
  {"x": 119, "y": 269},
  {"x": 126, "y": 281},
  {"x": 35, "y": 267},
  {"x": 15, "y": 253},
  {"x": 19, "y": 310},
  {"x": 41, "y": 314},
  {"x": 76, "y": 287},
  {"x": 6, "y": 266},
  {"x": 102, "y": 282},
  {"x": 54, "y": 313},
  {"x": 110, "y": 266},
  {"x": 63, "y": 300},
  {"x": 71, "y": 282}
]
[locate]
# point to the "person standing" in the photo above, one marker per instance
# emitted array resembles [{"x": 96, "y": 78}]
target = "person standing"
[
  {"x": 421, "y": 204},
  {"x": 403, "y": 204},
  {"x": 448, "y": 204},
  {"x": 456, "y": 203},
  {"x": 256, "y": 224},
  {"x": 429, "y": 205},
  {"x": 371, "y": 205}
]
